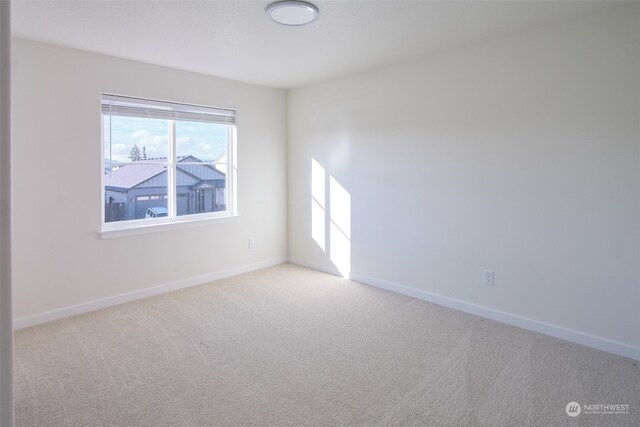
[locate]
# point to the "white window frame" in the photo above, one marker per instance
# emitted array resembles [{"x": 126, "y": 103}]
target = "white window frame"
[{"x": 145, "y": 225}]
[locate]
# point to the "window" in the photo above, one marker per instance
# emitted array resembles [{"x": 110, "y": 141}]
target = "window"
[{"x": 165, "y": 162}]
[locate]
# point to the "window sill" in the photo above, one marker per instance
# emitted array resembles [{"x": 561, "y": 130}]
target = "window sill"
[{"x": 167, "y": 226}]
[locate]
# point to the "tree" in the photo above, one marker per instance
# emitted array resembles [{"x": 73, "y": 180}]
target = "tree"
[
  {"x": 144, "y": 153},
  {"x": 134, "y": 154}
]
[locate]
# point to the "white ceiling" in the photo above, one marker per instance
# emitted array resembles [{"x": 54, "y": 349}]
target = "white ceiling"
[{"x": 235, "y": 39}]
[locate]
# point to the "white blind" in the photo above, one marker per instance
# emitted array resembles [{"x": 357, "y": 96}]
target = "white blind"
[{"x": 137, "y": 107}]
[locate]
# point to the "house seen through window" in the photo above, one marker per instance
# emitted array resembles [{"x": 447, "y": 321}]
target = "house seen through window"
[{"x": 165, "y": 162}]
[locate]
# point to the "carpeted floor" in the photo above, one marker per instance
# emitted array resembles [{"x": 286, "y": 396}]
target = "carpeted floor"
[{"x": 291, "y": 346}]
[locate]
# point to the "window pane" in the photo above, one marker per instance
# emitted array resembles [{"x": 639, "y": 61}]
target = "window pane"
[
  {"x": 135, "y": 191},
  {"x": 130, "y": 139},
  {"x": 202, "y": 165},
  {"x": 205, "y": 142}
]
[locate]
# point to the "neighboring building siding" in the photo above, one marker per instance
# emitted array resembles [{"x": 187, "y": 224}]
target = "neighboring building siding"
[
  {"x": 157, "y": 181},
  {"x": 204, "y": 172},
  {"x": 184, "y": 180}
]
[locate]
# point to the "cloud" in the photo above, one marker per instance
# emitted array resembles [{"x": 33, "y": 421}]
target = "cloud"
[
  {"x": 205, "y": 141},
  {"x": 140, "y": 134}
]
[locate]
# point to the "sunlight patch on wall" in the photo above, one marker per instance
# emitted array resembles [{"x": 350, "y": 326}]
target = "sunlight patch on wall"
[
  {"x": 340, "y": 228},
  {"x": 318, "y": 208},
  {"x": 340, "y": 202},
  {"x": 332, "y": 210}
]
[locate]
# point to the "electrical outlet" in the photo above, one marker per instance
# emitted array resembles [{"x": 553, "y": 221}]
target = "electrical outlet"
[
  {"x": 488, "y": 277},
  {"x": 252, "y": 244}
]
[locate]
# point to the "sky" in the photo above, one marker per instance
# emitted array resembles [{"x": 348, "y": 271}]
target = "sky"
[{"x": 206, "y": 141}]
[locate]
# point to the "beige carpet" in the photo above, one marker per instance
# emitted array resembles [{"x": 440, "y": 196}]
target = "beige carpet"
[{"x": 290, "y": 346}]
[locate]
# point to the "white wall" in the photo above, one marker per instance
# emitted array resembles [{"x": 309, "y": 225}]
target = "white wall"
[
  {"x": 59, "y": 258},
  {"x": 519, "y": 155}
]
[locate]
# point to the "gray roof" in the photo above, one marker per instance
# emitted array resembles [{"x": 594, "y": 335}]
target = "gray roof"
[{"x": 132, "y": 174}]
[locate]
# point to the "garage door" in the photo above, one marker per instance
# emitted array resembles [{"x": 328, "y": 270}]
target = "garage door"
[
  {"x": 160, "y": 200},
  {"x": 145, "y": 202}
]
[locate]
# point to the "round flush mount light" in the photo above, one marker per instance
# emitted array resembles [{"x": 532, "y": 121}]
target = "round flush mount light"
[{"x": 292, "y": 12}]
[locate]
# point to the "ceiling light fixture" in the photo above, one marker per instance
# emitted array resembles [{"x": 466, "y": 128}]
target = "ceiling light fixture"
[{"x": 293, "y": 12}]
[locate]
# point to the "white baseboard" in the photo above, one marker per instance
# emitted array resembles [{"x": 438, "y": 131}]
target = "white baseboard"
[
  {"x": 74, "y": 310},
  {"x": 510, "y": 319},
  {"x": 500, "y": 316}
]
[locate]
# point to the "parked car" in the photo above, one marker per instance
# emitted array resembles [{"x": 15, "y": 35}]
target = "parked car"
[{"x": 156, "y": 212}]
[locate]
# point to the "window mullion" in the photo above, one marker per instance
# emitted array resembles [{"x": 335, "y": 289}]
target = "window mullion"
[
  {"x": 171, "y": 172},
  {"x": 232, "y": 171}
]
